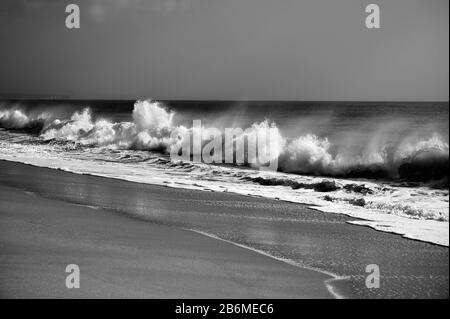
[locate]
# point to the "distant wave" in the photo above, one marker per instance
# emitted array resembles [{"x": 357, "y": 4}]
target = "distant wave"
[
  {"x": 18, "y": 119},
  {"x": 414, "y": 158}
]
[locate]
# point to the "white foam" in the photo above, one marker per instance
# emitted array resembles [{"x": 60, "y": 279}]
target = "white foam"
[
  {"x": 418, "y": 213},
  {"x": 414, "y": 155}
]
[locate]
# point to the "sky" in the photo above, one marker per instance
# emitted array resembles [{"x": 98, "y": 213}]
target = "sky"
[{"x": 226, "y": 50}]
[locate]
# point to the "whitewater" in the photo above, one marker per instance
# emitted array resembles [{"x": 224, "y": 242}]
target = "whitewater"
[{"x": 392, "y": 182}]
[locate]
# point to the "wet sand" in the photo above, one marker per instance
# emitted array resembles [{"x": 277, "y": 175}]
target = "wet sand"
[
  {"x": 121, "y": 257},
  {"x": 135, "y": 245}
]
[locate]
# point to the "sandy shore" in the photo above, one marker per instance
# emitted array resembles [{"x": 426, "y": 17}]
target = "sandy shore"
[
  {"x": 134, "y": 243},
  {"x": 122, "y": 257}
]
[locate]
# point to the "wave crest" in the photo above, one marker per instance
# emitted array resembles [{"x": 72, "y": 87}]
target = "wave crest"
[{"x": 415, "y": 158}]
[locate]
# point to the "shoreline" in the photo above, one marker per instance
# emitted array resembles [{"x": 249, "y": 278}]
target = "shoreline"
[
  {"x": 334, "y": 277},
  {"x": 419, "y": 229},
  {"x": 216, "y": 263},
  {"x": 116, "y": 185}
]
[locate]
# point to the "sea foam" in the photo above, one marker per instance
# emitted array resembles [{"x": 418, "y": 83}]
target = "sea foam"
[
  {"x": 326, "y": 178},
  {"x": 414, "y": 157}
]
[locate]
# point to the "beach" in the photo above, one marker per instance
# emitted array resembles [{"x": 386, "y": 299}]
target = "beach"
[
  {"x": 121, "y": 257},
  {"x": 141, "y": 248},
  {"x": 188, "y": 149}
]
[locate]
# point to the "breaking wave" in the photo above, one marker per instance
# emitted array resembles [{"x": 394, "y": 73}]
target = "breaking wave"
[
  {"x": 17, "y": 119},
  {"x": 412, "y": 158}
]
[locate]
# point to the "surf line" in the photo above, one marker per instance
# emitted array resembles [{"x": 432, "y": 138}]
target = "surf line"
[{"x": 334, "y": 277}]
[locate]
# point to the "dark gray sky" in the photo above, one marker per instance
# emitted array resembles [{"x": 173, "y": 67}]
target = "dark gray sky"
[{"x": 226, "y": 49}]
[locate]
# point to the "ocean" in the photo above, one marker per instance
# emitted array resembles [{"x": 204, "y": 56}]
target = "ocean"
[{"x": 385, "y": 163}]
